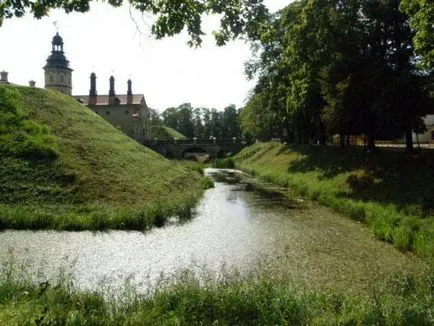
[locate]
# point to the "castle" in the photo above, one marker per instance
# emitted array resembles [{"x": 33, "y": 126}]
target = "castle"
[{"x": 128, "y": 112}]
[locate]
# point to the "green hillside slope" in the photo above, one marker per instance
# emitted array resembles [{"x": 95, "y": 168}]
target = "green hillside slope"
[
  {"x": 392, "y": 192},
  {"x": 64, "y": 167},
  {"x": 165, "y": 133}
]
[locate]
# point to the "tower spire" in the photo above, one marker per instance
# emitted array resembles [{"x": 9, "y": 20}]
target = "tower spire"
[{"x": 57, "y": 71}]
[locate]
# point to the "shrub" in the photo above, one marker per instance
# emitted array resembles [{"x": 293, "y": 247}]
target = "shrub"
[{"x": 227, "y": 163}]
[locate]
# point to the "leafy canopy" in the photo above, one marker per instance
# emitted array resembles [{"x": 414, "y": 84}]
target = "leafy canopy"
[{"x": 237, "y": 17}]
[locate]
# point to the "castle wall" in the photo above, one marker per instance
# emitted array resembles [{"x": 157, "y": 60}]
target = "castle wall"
[{"x": 121, "y": 116}]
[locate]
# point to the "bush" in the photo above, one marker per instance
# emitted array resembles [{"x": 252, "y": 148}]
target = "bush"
[{"x": 227, "y": 163}]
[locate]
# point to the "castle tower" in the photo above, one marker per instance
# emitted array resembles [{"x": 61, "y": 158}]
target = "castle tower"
[{"x": 57, "y": 71}]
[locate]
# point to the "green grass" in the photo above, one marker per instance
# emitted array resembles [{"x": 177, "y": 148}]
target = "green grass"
[
  {"x": 64, "y": 167},
  {"x": 188, "y": 301},
  {"x": 226, "y": 163},
  {"x": 165, "y": 133},
  {"x": 392, "y": 192}
]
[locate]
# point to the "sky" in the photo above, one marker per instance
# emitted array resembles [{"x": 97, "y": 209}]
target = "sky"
[{"x": 115, "y": 41}]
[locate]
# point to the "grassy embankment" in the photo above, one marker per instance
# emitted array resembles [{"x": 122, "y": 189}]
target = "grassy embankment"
[
  {"x": 392, "y": 192},
  {"x": 64, "y": 167},
  {"x": 255, "y": 301},
  {"x": 165, "y": 133}
]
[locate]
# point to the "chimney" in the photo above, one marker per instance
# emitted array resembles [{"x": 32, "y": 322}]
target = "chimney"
[
  {"x": 32, "y": 83},
  {"x": 92, "y": 91},
  {"x": 129, "y": 93},
  {"x": 112, "y": 90},
  {"x": 4, "y": 77}
]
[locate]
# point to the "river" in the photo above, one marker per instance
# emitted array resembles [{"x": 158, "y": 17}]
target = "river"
[{"x": 235, "y": 228}]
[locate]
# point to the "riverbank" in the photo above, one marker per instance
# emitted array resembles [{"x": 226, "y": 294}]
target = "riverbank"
[
  {"x": 63, "y": 167},
  {"x": 189, "y": 301},
  {"x": 392, "y": 192},
  {"x": 247, "y": 258}
]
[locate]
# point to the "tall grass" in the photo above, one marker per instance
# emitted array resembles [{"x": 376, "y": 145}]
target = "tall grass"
[
  {"x": 391, "y": 192},
  {"x": 186, "y": 300},
  {"x": 226, "y": 163}
]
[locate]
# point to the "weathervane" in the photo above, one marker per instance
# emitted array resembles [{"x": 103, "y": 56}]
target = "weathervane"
[{"x": 55, "y": 25}]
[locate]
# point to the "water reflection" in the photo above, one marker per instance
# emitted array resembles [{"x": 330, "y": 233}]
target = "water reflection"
[{"x": 234, "y": 227}]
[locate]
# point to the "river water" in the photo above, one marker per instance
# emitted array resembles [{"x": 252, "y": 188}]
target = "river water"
[{"x": 234, "y": 229}]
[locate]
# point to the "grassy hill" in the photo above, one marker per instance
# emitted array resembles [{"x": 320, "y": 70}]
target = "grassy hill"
[
  {"x": 165, "y": 133},
  {"x": 64, "y": 167},
  {"x": 392, "y": 192}
]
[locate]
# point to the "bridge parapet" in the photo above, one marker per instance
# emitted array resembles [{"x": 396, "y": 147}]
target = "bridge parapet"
[
  {"x": 193, "y": 141},
  {"x": 177, "y": 148}
]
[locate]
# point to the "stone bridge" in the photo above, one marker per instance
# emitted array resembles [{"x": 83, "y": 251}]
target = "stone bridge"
[{"x": 177, "y": 148}]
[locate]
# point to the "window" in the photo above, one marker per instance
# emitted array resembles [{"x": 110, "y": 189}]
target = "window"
[
  {"x": 107, "y": 112},
  {"x": 127, "y": 112},
  {"x": 61, "y": 78},
  {"x": 432, "y": 135},
  {"x": 51, "y": 78}
]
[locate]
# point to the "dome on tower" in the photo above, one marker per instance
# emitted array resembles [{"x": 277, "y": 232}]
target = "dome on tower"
[
  {"x": 57, "y": 59},
  {"x": 57, "y": 40}
]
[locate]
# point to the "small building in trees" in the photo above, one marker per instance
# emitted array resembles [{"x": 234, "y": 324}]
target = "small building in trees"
[{"x": 428, "y": 135}]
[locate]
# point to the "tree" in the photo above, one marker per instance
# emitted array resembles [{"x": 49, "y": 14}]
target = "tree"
[
  {"x": 154, "y": 117},
  {"x": 230, "y": 122},
  {"x": 341, "y": 66},
  {"x": 257, "y": 121},
  {"x": 202, "y": 122},
  {"x": 237, "y": 17},
  {"x": 185, "y": 123},
  {"x": 421, "y": 14}
]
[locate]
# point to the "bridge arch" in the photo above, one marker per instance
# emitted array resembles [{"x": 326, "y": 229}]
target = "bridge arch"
[{"x": 193, "y": 151}]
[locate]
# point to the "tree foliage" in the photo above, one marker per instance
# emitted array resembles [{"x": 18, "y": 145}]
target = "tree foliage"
[
  {"x": 344, "y": 67},
  {"x": 237, "y": 17},
  {"x": 202, "y": 123},
  {"x": 421, "y": 14}
]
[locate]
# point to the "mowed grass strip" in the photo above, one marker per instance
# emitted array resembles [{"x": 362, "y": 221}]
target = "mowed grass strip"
[
  {"x": 72, "y": 170},
  {"x": 392, "y": 192}
]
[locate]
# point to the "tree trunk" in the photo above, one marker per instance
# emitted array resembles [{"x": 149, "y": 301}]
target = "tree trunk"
[
  {"x": 342, "y": 140},
  {"x": 408, "y": 140},
  {"x": 322, "y": 135},
  {"x": 370, "y": 145}
]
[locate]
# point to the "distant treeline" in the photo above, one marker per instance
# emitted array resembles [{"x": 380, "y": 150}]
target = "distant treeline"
[
  {"x": 345, "y": 67},
  {"x": 202, "y": 123}
]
